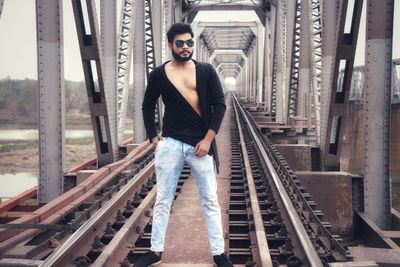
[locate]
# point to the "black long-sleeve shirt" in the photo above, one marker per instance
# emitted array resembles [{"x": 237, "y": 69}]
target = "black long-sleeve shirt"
[{"x": 180, "y": 120}]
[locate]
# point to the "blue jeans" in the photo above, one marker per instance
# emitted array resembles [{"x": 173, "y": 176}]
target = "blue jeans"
[{"x": 171, "y": 154}]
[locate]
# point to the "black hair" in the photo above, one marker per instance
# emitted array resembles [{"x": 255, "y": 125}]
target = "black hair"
[{"x": 178, "y": 28}]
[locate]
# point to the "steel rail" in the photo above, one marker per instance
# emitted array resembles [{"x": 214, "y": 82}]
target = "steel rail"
[
  {"x": 55, "y": 210},
  {"x": 123, "y": 241},
  {"x": 307, "y": 245},
  {"x": 262, "y": 244},
  {"x": 64, "y": 251}
]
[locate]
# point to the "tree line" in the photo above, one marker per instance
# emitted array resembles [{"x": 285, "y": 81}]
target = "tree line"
[{"x": 19, "y": 100}]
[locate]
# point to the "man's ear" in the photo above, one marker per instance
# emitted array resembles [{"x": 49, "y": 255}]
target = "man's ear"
[{"x": 170, "y": 45}]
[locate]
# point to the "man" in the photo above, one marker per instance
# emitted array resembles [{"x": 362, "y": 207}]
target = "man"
[{"x": 194, "y": 109}]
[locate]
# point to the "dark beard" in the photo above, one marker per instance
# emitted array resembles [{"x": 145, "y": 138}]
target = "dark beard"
[{"x": 179, "y": 58}]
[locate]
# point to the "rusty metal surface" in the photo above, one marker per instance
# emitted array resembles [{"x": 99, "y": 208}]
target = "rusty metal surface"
[
  {"x": 78, "y": 245},
  {"x": 383, "y": 257},
  {"x": 66, "y": 203},
  {"x": 298, "y": 157},
  {"x": 13, "y": 202},
  {"x": 332, "y": 191}
]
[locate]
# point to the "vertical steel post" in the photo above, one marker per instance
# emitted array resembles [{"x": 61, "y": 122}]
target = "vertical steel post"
[
  {"x": 289, "y": 20},
  {"x": 280, "y": 46},
  {"x": 377, "y": 105},
  {"x": 271, "y": 85},
  {"x": 108, "y": 23},
  {"x": 157, "y": 21},
  {"x": 260, "y": 62},
  {"x": 168, "y": 17},
  {"x": 178, "y": 11},
  {"x": 139, "y": 72},
  {"x": 51, "y": 98},
  {"x": 267, "y": 66}
]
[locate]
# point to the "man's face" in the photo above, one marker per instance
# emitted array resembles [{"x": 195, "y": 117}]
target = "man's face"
[{"x": 182, "y": 47}]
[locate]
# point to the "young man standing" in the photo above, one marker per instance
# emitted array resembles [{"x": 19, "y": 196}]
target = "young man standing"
[{"x": 194, "y": 109}]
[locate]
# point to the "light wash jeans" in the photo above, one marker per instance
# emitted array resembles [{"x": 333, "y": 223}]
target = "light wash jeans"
[{"x": 171, "y": 154}]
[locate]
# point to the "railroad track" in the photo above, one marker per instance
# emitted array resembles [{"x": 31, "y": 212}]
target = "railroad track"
[
  {"x": 102, "y": 225},
  {"x": 272, "y": 219},
  {"x": 284, "y": 226}
]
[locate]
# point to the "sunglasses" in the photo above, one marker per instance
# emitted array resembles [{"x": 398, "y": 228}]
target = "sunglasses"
[{"x": 180, "y": 43}]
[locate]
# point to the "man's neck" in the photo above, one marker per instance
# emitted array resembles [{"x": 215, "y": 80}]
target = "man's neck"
[{"x": 181, "y": 64}]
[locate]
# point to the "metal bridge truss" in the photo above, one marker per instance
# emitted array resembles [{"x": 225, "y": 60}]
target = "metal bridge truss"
[
  {"x": 295, "y": 64},
  {"x": 124, "y": 56},
  {"x": 316, "y": 60},
  {"x": 358, "y": 82},
  {"x": 150, "y": 54},
  {"x": 92, "y": 61}
]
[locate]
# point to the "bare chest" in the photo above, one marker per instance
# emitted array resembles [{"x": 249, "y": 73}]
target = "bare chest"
[{"x": 184, "y": 80}]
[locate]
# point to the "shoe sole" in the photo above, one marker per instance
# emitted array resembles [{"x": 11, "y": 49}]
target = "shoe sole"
[{"x": 156, "y": 263}]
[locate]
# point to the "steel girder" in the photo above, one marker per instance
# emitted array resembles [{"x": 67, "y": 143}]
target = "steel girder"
[
  {"x": 334, "y": 116},
  {"x": 140, "y": 70},
  {"x": 92, "y": 61},
  {"x": 168, "y": 19},
  {"x": 51, "y": 99},
  {"x": 191, "y": 8},
  {"x": 278, "y": 106},
  {"x": 269, "y": 46},
  {"x": 377, "y": 105},
  {"x": 108, "y": 23}
]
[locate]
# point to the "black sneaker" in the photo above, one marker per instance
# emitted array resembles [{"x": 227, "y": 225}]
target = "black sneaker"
[
  {"x": 148, "y": 259},
  {"x": 222, "y": 260}
]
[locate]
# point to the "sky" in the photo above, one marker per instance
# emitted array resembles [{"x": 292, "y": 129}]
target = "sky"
[{"x": 18, "y": 38}]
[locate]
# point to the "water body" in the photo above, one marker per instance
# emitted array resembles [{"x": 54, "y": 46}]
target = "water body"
[
  {"x": 12, "y": 184},
  {"x": 30, "y": 135}
]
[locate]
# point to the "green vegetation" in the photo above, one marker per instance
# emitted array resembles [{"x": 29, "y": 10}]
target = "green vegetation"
[
  {"x": 79, "y": 141},
  {"x": 19, "y": 100},
  {"x": 9, "y": 147},
  {"x": 19, "y": 103}
]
